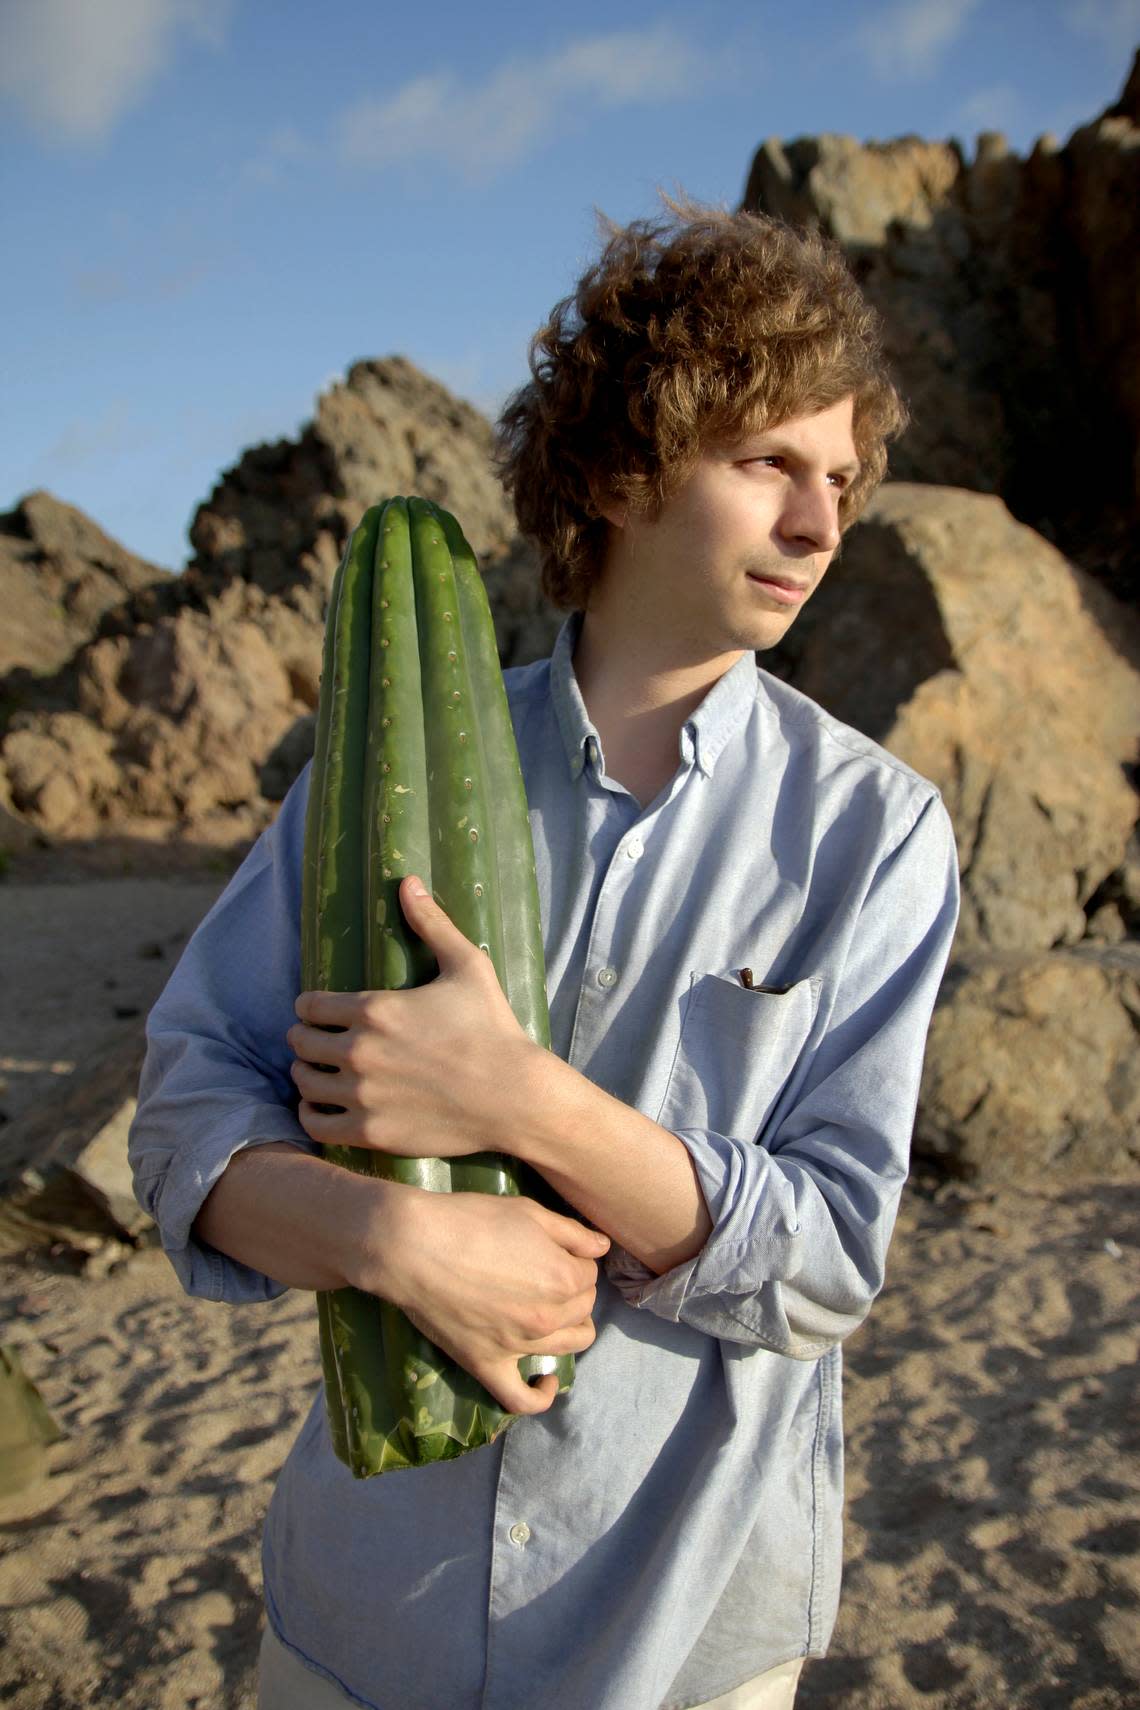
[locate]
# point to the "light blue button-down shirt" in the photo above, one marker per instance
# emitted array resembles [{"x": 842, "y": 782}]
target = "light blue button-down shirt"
[{"x": 672, "y": 1527}]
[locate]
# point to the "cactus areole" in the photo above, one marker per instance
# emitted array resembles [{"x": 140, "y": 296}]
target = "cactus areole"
[{"x": 415, "y": 770}]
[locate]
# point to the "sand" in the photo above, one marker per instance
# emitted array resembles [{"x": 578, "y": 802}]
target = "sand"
[
  {"x": 993, "y": 1525},
  {"x": 82, "y": 962}
]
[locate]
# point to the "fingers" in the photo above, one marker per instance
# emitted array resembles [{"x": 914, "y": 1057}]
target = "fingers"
[
  {"x": 326, "y": 1127},
  {"x": 513, "y": 1392},
  {"x": 577, "y": 1238},
  {"x": 328, "y": 1009},
  {"x": 319, "y": 1086},
  {"x": 575, "y": 1339},
  {"x": 502, "y": 1378},
  {"x": 316, "y": 1045}
]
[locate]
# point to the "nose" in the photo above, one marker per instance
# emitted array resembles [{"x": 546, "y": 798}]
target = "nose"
[{"x": 810, "y": 517}]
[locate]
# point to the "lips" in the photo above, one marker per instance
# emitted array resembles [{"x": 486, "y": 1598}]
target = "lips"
[{"x": 781, "y": 588}]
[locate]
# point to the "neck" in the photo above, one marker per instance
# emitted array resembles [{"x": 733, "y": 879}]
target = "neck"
[
  {"x": 637, "y": 672},
  {"x": 639, "y": 687}
]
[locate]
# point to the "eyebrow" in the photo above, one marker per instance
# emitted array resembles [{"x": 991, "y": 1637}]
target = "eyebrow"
[{"x": 774, "y": 447}]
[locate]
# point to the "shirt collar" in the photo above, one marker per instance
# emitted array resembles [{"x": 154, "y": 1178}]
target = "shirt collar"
[{"x": 704, "y": 733}]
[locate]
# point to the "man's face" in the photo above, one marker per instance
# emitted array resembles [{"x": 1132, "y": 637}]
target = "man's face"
[{"x": 732, "y": 556}]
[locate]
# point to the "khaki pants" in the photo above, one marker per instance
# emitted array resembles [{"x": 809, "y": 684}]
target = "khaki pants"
[{"x": 284, "y": 1683}]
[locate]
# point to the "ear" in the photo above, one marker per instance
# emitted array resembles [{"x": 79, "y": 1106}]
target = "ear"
[{"x": 611, "y": 510}]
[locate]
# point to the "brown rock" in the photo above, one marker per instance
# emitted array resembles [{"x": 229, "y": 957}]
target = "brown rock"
[
  {"x": 58, "y": 766},
  {"x": 16, "y": 835},
  {"x": 59, "y": 574},
  {"x": 280, "y": 518},
  {"x": 525, "y": 621},
  {"x": 193, "y": 685},
  {"x": 63, "y": 1163},
  {"x": 1032, "y": 1068},
  {"x": 971, "y": 649},
  {"x": 1009, "y": 290}
]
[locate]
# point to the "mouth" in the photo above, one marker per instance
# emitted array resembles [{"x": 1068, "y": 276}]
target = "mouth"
[{"x": 782, "y": 588}]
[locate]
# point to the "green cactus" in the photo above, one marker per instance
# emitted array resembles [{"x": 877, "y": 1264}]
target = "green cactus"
[{"x": 415, "y": 770}]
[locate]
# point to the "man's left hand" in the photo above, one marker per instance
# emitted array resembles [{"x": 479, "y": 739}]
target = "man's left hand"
[{"x": 427, "y": 1072}]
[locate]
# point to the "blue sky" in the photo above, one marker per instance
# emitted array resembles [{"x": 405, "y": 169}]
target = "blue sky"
[{"x": 215, "y": 206}]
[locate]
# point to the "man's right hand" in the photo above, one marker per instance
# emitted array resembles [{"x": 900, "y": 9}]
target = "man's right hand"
[{"x": 488, "y": 1278}]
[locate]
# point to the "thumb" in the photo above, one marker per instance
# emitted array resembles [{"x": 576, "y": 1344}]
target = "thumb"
[
  {"x": 577, "y": 1237},
  {"x": 424, "y": 915}
]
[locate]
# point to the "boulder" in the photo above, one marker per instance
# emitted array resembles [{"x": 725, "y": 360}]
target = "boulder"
[
  {"x": 973, "y": 650},
  {"x": 64, "y": 1170},
  {"x": 186, "y": 699},
  {"x": 59, "y": 575},
  {"x": 56, "y": 764},
  {"x": 526, "y": 624},
  {"x": 1008, "y": 289},
  {"x": 1032, "y": 1070},
  {"x": 280, "y": 518}
]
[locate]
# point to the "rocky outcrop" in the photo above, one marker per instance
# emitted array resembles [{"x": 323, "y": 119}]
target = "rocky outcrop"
[
  {"x": 973, "y": 650},
  {"x": 970, "y": 648},
  {"x": 1009, "y": 289},
  {"x": 167, "y": 719},
  {"x": 59, "y": 575},
  {"x": 280, "y": 518},
  {"x": 966, "y": 644},
  {"x": 1032, "y": 1069}
]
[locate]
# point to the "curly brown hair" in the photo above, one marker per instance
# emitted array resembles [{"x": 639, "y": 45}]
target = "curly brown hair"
[{"x": 705, "y": 326}]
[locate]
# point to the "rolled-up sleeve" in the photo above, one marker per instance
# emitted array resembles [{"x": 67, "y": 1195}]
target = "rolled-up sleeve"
[
  {"x": 216, "y": 1074},
  {"x": 803, "y": 1210}
]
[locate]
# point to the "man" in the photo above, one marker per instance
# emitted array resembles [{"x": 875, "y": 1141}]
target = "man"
[{"x": 747, "y": 909}]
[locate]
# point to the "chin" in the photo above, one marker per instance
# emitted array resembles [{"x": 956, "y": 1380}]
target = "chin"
[
  {"x": 767, "y": 642},
  {"x": 760, "y": 637}
]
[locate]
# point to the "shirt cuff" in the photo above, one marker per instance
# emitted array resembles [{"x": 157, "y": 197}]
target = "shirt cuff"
[
  {"x": 704, "y": 1290},
  {"x": 173, "y": 1190}
]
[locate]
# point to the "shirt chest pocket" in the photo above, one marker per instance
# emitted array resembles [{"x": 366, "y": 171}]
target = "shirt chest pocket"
[{"x": 737, "y": 1050}]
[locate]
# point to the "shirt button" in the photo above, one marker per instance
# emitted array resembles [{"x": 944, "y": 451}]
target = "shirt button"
[
  {"x": 635, "y": 849},
  {"x": 607, "y": 977},
  {"x": 520, "y": 1534}
]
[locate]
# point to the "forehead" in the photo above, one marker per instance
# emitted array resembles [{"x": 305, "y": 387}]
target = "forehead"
[{"x": 827, "y": 434}]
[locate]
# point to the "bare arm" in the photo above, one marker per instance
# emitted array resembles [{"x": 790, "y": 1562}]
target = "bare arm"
[
  {"x": 446, "y": 1070},
  {"x": 624, "y": 1172},
  {"x": 293, "y": 1216},
  {"x": 488, "y": 1278}
]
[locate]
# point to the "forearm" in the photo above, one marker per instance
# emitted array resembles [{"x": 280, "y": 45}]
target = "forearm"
[
  {"x": 488, "y": 1278},
  {"x": 625, "y": 1173},
  {"x": 298, "y": 1219}
]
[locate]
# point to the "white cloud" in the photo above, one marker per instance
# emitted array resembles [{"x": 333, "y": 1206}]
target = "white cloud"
[
  {"x": 76, "y": 66},
  {"x": 1116, "y": 23},
  {"x": 908, "y": 37},
  {"x": 479, "y": 128}
]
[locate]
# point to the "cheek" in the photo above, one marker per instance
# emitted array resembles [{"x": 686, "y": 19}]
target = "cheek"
[{"x": 712, "y": 539}]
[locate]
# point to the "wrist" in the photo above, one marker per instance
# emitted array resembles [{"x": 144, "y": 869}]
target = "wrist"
[
  {"x": 378, "y": 1238},
  {"x": 553, "y": 1109}
]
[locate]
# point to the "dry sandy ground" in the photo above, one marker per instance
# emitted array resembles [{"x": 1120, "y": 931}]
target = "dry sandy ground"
[
  {"x": 993, "y": 1538},
  {"x": 81, "y": 962}
]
